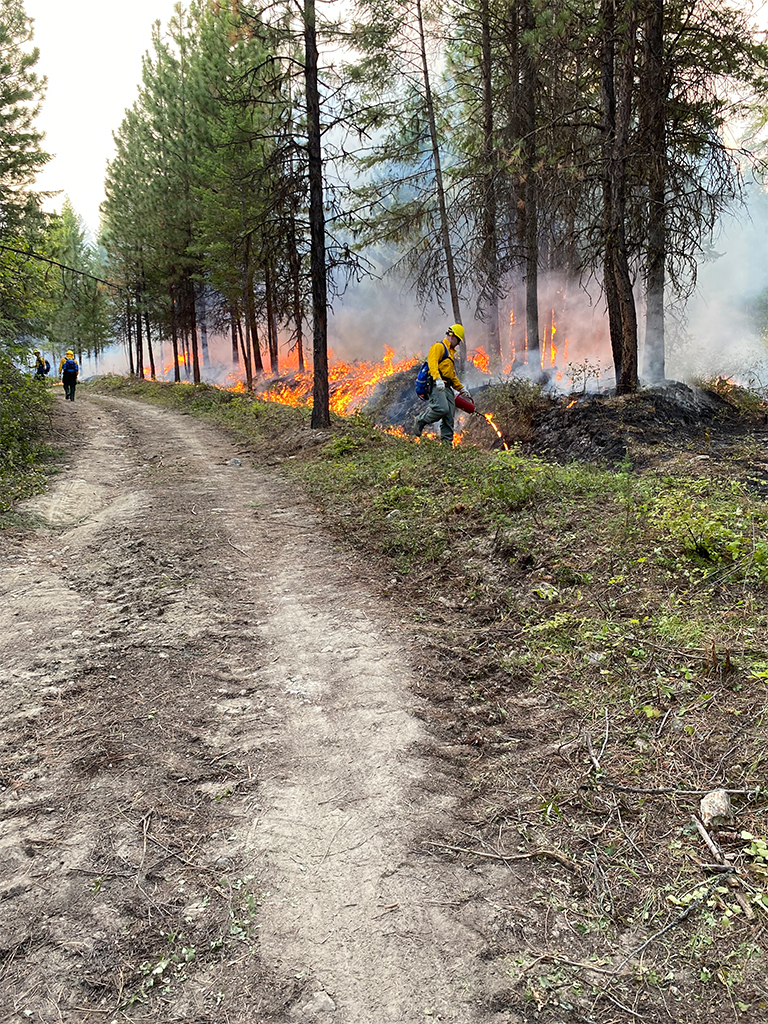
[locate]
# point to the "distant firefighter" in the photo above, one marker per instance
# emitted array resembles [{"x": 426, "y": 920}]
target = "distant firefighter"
[
  {"x": 69, "y": 369},
  {"x": 42, "y": 366}
]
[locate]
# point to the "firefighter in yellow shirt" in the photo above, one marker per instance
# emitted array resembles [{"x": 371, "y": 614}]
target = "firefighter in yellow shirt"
[
  {"x": 68, "y": 370},
  {"x": 441, "y": 404}
]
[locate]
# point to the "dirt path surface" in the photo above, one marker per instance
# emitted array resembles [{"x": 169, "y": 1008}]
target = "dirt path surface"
[{"x": 215, "y": 784}]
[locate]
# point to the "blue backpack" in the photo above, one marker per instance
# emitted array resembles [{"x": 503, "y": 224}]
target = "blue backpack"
[
  {"x": 70, "y": 366},
  {"x": 424, "y": 380}
]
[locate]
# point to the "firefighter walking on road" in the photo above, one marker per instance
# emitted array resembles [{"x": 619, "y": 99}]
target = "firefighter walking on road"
[
  {"x": 441, "y": 404},
  {"x": 68, "y": 370}
]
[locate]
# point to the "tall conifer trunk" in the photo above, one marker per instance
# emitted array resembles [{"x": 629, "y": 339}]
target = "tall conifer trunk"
[
  {"x": 233, "y": 332},
  {"x": 531, "y": 225},
  {"x": 296, "y": 283},
  {"x": 654, "y": 93},
  {"x": 139, "y": 338},
  {"x": 129, "y": 325},
  {"x": 490, "y": 243},
  {"x": 204, "y": 328},
  {"x": 252, "y": 334},
  {"x": 271, "y": 324},
  {"x": 618, "y": 26},
  {"x": 175, "y": 337},
  {"x": 445, "y": 233},
  {"x": 321, "y": 413},
  {"x": 150, "y": 350}
]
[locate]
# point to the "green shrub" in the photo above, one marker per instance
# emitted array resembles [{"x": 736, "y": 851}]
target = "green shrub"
[{"x": 24, "y": 405}]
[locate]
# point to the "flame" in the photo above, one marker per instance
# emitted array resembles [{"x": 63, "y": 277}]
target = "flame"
[
  {"x": 489, "y": 419},
  {"x": 349, "y": 384},
  {"x": 481, "y": 360},
  {"x": 552, "y": 346}
]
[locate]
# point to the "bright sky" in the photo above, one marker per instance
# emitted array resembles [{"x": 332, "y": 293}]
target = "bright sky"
[{"x": 90, "y": 52}]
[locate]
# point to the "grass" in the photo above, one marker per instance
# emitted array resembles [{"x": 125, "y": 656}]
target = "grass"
[{"x": 603, "y": 634}]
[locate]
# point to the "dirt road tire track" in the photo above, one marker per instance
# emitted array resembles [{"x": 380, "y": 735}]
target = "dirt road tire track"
[{"x": 214, "y": 779}]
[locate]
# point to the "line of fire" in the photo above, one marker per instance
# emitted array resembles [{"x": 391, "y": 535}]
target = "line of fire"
[{"x": 353, "y": 382}]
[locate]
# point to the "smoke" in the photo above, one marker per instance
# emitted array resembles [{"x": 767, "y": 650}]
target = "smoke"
[
  {"x": 723, "y": 329},
  {"x": 717, "y": 333}
]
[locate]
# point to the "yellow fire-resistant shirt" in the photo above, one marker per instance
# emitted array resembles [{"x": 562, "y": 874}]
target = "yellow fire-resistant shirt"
[
  {"x": 61, "y": 365},
  {"x": 441, "y": 365}
]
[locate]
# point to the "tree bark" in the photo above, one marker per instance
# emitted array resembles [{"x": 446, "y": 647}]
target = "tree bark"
[
  {"x": 490, "y": 243},
  {"x": 233, "y": 332},
  {"x": 321, "y": 413},
  {"x": 150, "y": 351},
  {"x": 445, "y": 233},
  {"x": 271, "y": 325},
  {"x": 193, "y": 330},
  {"x": 175, "y": 338},
  {"x": 654, "y": 360},
  {"x": 139, "y": 338},
  {"x": 204, "y": 328},
  {"x": 247, "y": 349},
  {"x": 531, "y": 228},
  {"x": 296, "y": 281},
  {"x": 129, "y": 324},
  {"x": 616, "y": 95},
  {"x": 254, "y": 350}
]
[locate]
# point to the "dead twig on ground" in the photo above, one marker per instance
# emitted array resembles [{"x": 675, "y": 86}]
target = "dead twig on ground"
[
  {"x": 591, "y": 752},
  {"x": 554, "y": 959},
  {"x": 709, "y": 842},
  {"x": 607, "y": 734},
  {"x": 670, "y": 790},
  {"x": 549, "y": 854},
  {"x": 693, "y": 905}
]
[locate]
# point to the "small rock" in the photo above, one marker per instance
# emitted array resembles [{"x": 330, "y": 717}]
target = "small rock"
[
  {"x": 318, "y": 1004},
  {"x": 235, "y": 462},
  {"x": 716, "y": 807}
]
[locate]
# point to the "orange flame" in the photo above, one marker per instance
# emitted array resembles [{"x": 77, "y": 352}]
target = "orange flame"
[
  {"x": 481, "y": 360},
  {"x": 349, "y": 384},
  {"x": 489, "y": 419}
]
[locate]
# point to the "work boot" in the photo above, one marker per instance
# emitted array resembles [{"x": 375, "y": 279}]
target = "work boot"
[{"x": 418, "y": 426}]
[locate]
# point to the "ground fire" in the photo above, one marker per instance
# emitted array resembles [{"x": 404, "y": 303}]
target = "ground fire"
[{"x": 353, "y": 383}]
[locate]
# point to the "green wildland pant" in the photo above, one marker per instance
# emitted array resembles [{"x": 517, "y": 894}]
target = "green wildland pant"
[{"x": 440, "y": 406}]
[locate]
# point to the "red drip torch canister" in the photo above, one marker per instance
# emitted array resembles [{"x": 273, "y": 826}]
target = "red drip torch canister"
[{"x": 465, "y": 404}]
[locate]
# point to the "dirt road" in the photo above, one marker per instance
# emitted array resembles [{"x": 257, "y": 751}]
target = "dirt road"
[{"x": 215, "y": 784}]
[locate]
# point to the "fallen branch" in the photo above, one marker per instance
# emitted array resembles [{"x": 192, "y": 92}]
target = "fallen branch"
[
  {"x": 722, "y": 866},
  {"x": 579, "y": 964},
  {"x": 709, "y": 842},
  {"x": 670, "y": 790},
  {"x": 550, "y": 854}
]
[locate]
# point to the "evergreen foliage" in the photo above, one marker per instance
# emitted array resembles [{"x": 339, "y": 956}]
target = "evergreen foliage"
[{"x": 469, "y": 147}]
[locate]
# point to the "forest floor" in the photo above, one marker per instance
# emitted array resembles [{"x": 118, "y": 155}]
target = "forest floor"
[
  {"x": 238, "y": 785},
  {"x": 216, "y": 788}
]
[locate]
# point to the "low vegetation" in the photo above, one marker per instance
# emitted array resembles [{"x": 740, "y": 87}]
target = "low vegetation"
[
  {"x": 24, "y": 406},
  {"x": 594, "y": 651}
]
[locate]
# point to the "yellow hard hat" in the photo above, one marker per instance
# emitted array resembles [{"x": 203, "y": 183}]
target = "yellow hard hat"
[
  {"x": 35, "y": 351},
  {"x": 457, "y": 330},
  {"x": 70, "y": 352}
]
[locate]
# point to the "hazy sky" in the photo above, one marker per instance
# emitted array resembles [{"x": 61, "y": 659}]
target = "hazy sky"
[{"x": 90, "y": 52}]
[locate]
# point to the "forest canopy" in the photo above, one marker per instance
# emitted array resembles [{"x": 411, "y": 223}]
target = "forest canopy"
[{"x": 495, "y": 156}]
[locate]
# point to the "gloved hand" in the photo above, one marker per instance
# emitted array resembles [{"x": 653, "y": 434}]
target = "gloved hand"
[
  {"x": 465, "y": 393},
  {"x": 440, "y": 384}
]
